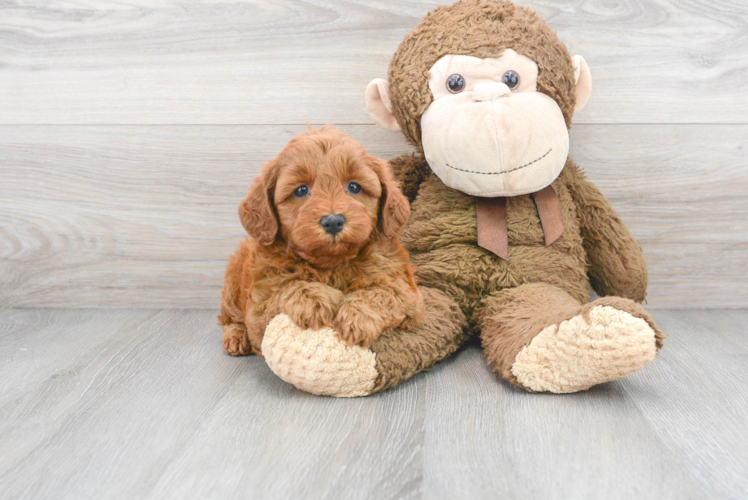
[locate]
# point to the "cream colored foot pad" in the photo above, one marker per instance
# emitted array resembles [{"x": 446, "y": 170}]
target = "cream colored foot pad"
[
  {"x": 579, "y": 353},
  {"x": 317, "y": 361}
]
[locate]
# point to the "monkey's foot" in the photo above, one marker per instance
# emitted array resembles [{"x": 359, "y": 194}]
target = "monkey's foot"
[
  {"x": 317, "y": 361},
  {"x": 600, "y": 344}
]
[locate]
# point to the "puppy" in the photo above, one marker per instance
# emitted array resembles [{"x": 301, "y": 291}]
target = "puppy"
[{"x": 324, "y": 219}]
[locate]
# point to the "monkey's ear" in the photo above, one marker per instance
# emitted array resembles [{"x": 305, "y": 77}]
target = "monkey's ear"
[
  {"x": 379, "y": 105},
  {"x": 584, "y": 81},
  {"x": 256, "y": 211}
]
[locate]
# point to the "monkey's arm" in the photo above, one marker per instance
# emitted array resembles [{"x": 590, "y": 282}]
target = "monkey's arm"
[{"x": 616, "y": 265}]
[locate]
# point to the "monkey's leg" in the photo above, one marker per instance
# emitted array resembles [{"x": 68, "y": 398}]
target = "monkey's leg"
[
  {"x": 539, "y": 338},
  {"x": 320, "y": 363}
]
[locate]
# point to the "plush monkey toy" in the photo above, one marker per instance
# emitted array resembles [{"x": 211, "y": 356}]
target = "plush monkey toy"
[{"x": 506, "y": 233}]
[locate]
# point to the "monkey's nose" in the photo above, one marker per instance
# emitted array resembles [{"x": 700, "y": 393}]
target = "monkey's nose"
[
  {"x": 332, "y": 223},
  {"x": 490, "y": 91}
]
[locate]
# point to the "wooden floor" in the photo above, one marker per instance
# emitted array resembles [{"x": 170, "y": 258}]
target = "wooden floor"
[{"x": 144, "y": 404}]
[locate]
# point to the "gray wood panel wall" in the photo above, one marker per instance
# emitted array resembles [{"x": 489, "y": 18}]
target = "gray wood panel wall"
[{"x": 130, "y": 130}]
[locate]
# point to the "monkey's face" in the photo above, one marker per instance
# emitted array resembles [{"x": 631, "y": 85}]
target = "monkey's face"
[
  {"x": 488, "y": 132},
  {"x": 489, "y": 129}
]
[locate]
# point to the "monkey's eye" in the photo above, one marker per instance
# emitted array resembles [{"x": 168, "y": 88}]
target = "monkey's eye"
[
  {"x": 511, "y": 79},
  {"x": 301, "y": 191},
  {"x": 455, "y": 83},
  {"x": 353, "y": 188}
]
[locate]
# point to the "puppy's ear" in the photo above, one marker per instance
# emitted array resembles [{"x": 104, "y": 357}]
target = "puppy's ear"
[
  {"x": 257, "y": 211},
  {"x": 394, "y": 208}
]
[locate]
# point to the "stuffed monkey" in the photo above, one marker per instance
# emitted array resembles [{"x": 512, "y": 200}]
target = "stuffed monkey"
[{"x": 506, "y": 233}]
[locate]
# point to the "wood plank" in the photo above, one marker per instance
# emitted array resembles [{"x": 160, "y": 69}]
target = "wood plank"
[
  {"x": 145, "y": 404},
  {"x": 29, "y": 339},
  {"x": 700, "y": 408},
  {"x": 682, "y": 191},
  {"x": 53, "y": 358},
  {"x": 268, "y": 440},
  {"x": 131, "y": 216},
  {"x": 294, "y": 61},
  {"x": 502, "y": 442},
  {"x": 118, "y": 403},
  {"x": 157, "y": 410}
]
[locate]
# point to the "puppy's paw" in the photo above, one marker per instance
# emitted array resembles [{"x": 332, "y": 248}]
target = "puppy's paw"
[
  {"x": 414, "y": 315},
  {"x": 235, "y": 340},
  {"x": 313, "y": 318},
  {"x": 409, "y": 324},
  {"x": 316, "y": 308},
  {"x": 358, "y": 325}
]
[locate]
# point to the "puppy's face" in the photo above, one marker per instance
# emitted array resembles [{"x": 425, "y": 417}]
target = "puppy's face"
[{"x": 329, "y": 196}]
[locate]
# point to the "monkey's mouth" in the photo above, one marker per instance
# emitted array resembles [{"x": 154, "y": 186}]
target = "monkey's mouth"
[{"x": 503, "y": 171}]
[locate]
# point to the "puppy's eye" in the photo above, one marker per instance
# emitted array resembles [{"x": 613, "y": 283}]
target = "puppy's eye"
[
  {"x": 354, "y": 188},
  {"x": 511, "y": 79},
  {"x": 301, "y": 191},
  {"x": 455, "y": 83}
]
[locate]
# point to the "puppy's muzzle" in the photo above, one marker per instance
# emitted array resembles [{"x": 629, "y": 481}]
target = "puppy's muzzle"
[{"x": 332, "y": 223}]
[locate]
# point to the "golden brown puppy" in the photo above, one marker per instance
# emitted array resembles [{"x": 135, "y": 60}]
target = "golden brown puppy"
[{"x": 324, "y": 219}]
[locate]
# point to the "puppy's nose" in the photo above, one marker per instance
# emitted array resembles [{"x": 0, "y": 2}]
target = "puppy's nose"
[{"x": 332, "y": 223}]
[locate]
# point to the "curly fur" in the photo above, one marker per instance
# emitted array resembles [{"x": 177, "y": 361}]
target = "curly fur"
[{"x": 358, "y": 281}]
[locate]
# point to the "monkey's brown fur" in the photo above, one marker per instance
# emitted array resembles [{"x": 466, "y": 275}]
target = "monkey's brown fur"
[
  {"x": 508, "y": 302},
  {"x": 358, "y": 281}
]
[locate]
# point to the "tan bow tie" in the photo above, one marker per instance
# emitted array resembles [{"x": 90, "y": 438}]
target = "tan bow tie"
[{"x": 492, "y": 228}]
